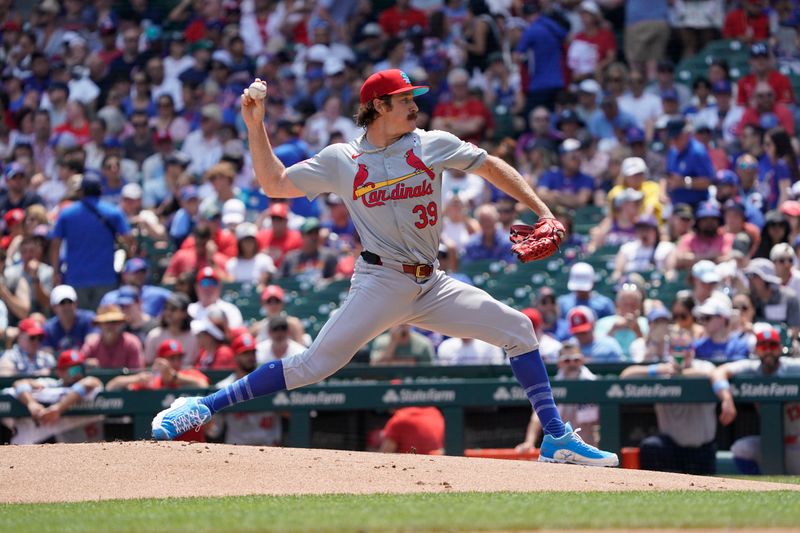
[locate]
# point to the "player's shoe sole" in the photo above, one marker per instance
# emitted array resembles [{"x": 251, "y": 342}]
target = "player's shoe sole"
[
  {"x": 184, "y": 414},
  {"x": 571, "y": 449}
]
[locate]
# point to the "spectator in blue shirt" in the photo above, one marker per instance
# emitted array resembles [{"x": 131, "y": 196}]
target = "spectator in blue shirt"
[
  {"x": 581, "y": 282},
  {"x": 69, "y": 327},
  {"x": 611, "y": 121},
  {"x": 543, "y": 39},
  {"x": 89, "y": 229},
  {"x": 689, "y": 168},
  {"x": 152, "y": 297},
  {"x": 186, "y": 217},
  {"x": 567, "y": 185},
  {"x": 717, "y": 344},
  {"x": 291, "y": 149},
  {"x": 581, "y": 321},
  {"x": 491, "y": 242},
  {"x": 552, "y": 323}
]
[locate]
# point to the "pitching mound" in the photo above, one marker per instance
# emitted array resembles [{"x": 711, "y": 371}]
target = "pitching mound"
[{"x": 121, "y": 470}]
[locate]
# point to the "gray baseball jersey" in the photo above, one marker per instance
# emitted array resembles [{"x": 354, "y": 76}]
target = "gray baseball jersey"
[{"x": 393, "y": 194}]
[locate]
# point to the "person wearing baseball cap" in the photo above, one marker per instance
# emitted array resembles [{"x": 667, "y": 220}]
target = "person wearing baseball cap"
[
  {"x": 165, "y": 373},
  {"x": 690, "y": 171},
  {"x": 581, "y": 320},
  {"x": 774, "y": 302},
  {"x": 197, "y": 255},
  {"x": 208, "y": 286},
  {"x": 406, "y": 162},
  {"x": 581, "y": 282},
  {"x": 134, "y": 273},
  {"x": 277, "y": 240},
  {"x": 762, "y": 69},
  {"x": 17, "y": 194},
  {"x": 552, "y": 323},
  {"x": 685, "y": 441},
  {"x": 48, "y": 399},
  {"x": 249, "y": 266},
  {"x": 26, "y": 355},
  {"x": 273, "y": 300},
  {"x": 566, "y": 184},
  {"x": 769, "y": 362},
  {"x": 717, "y": 344},
  {"x": 784, "y": 258},
  {"x": 70, "y": 326}
]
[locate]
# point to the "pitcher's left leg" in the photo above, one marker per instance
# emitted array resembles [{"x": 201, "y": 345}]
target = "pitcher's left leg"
[{"x": 456, "y": 309}]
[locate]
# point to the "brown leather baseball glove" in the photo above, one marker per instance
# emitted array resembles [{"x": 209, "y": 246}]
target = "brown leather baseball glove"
[{"x": 541, "y": 240}]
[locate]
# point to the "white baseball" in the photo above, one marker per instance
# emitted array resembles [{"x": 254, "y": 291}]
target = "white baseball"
[{"x": 257, "y": 90}]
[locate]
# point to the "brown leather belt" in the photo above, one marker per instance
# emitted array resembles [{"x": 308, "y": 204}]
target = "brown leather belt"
[{"x": 419, "y": 270}]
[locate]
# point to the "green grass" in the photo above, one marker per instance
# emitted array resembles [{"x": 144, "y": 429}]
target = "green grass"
[
  {"x": 791, "y": 480},
  {"x": 415, "y": 512}
]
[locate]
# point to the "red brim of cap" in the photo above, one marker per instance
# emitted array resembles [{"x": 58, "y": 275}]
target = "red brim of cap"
[
  {"x": 583, "y": 328},
  {"x": 32, "y": 332},
  {"x": 417, "y": 90},
  {"x": 791, "y": 208}
]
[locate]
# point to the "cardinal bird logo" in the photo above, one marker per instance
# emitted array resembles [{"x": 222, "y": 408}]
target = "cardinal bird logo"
[
  {"x": 417, "y": 163},
  {"x": 361, "y": 176}
]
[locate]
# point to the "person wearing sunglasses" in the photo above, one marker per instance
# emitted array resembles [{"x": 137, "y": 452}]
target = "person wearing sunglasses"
[
  {"x": 571, "y": 365},
  {"x": 682, "y": 307},
  {"x": 784, "y": 258},
  {"x": 717, "y": 344},
  {"x": 769, "y": 362},
  {"x": 773, "y": 302},
  {"x": 26, "y": 355},
  {"x": 686, "y": 439}
]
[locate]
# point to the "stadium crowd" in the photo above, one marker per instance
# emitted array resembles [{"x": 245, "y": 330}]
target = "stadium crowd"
[{"x": 129, "y": 204}]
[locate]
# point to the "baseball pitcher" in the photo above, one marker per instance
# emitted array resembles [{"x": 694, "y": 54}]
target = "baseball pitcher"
[{"x": 391, "y": 180}]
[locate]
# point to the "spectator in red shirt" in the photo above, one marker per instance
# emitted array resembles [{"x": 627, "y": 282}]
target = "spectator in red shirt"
[
  {"x": 462, "y": 115},
  {"x": 761, "y": 69},
  {"x": 166, "y": 372},
  {"x": 417, "y": 430},
  {"x": 199, "y": 256},
  {"x": 215, "y": 354},
  {"x": 594, "y": 48},
  {"x": 112, "y": 347},
  {"x": 400, "y": 18},
  {"x": 75, "y": 124},
  {"x": 765, "y": 112},
  {"x": 278, "y": 240},
  {"x": 223, "y": 238},
  {"x": 747, "y": 23}
]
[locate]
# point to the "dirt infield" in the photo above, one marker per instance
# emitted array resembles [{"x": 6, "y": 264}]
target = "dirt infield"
[{"x": 122, "y": 470}]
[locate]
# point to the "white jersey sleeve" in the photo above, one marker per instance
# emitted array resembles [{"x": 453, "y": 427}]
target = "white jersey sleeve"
[
  {"x": 451, "y": 152},
  {"x": 319, "y": 174}
]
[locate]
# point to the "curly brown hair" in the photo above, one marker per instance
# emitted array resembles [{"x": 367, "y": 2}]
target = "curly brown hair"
[{"x": 367, "y": 114}]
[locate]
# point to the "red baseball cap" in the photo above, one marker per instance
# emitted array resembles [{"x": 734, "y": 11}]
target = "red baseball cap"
[
  {"x": 580, "y": 319},
  {"x": 170, "y": 348},
  {"x": 70, "y": 358},
  {"x": 30, "y": 327},
  {"x": 791, "y": 208},
  {"x": 243, "y": 343},
  {"x": 534, "y": 315},
  {"x": 207, "y": 273},
  {"x": 279, "y": 210},
  {"x": 14, "y": 217},
  {"x": 272, "y": 291},
  {"x": 386, "y": 82},
  {"x": 768, "y": 335}
]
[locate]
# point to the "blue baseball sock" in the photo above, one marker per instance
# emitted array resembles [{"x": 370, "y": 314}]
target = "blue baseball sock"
[
  {"x": 266, "y": 379},
  {"x": 531, "y": 373}
]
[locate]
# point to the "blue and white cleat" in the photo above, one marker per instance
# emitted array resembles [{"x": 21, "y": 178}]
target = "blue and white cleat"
[
  {"x": 184, "y": 414},
  {"x": 570, "y": 448}
]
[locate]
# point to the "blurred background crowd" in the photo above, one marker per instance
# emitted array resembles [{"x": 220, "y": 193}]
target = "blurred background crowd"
[{"x": 661, "y": 132}]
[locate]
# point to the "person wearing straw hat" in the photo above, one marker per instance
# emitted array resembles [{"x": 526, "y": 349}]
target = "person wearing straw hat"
[{"x": 112, "y": 347}]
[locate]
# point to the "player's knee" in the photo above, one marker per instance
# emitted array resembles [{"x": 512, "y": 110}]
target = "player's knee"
[{"x": 523, "y": 337}]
